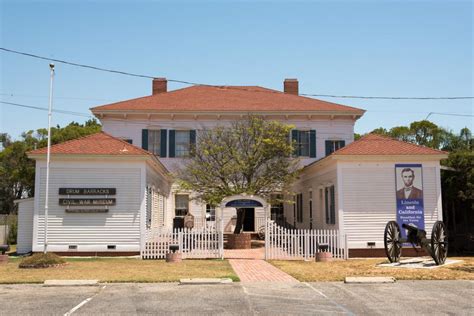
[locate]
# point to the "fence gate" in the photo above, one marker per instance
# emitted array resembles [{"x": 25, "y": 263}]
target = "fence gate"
[
  {"x": 301, "y": 244},
  {"x": 193, "y": 244}
]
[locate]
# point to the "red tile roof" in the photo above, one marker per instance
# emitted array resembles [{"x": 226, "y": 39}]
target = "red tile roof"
[
  {"x": 226, "y": 98},
  {"x": 95, "y": 144},
  {"x": 373, "y": 144}
]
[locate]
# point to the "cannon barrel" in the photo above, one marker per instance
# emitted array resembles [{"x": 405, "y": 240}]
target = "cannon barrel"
[{"x": 410, "y": 228}]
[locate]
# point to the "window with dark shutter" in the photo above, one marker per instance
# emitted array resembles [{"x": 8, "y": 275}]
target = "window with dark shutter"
[
  {"x": 333, "y": 205},
  {"x": 299, "y": 208},
  {"x": 312, "y": 143},
  {"x": 304, "y": 143},
  {"x": 145, "y": 139},
  {"x": 181, "y": 142},
  {"x": 163, "y": 141},
  {"x": 172, "y": 143},
  {"x": 330, "y": 205},
  {"x": 333, "y": 145},
  {"x": 154, "y": 140}
]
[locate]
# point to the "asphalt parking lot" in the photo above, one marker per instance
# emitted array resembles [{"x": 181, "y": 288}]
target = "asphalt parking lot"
[{"x": 403, "y": 297}]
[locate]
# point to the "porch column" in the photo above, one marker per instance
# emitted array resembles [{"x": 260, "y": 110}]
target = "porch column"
[{"x": 267, "y": 241}]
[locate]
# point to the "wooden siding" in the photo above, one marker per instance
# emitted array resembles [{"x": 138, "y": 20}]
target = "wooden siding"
[
  {"x": 120, "y": 226},
  {"x": 369, "y": 200},
  {"x": 314, "y": 182}
]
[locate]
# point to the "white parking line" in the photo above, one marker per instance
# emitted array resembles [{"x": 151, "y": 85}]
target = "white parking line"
[
  {"x": 84, "y": 302},
  {"x": 306, "y": 302},
  {"x": 330, "y": 300}
]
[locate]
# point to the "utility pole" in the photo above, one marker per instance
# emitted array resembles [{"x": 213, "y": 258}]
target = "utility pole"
[{"x": 46, "y": 200}]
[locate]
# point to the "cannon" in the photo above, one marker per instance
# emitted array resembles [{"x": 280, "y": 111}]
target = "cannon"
[{"x": 437, "y": 246}]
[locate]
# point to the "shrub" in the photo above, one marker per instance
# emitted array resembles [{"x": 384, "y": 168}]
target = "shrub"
[{"x": 42, "y": 260}]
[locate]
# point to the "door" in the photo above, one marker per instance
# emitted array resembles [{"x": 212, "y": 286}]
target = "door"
[{"x": 249, "y": 220}]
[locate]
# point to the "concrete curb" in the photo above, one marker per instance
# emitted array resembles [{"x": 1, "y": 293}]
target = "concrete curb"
[
  {"x": 204, "y": 281},
  {"x": 51, "y": 283},
  {"x": 369, "y": 280}
]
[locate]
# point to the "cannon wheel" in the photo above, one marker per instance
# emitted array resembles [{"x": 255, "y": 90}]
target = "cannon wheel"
[
  {"x": 439, "y": 242},
  {"x": 392, "y": 236}
]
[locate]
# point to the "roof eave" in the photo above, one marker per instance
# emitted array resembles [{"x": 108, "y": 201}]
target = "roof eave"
[
  {"x": 423, "y": 157},
  {"x": 359, "y": 113},
  {"x": 73, "y": 156}
]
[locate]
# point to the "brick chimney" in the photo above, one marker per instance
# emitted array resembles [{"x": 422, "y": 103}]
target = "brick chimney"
[
  {"x": 160, "y": 85},
  {"x": 290, "y": 86}
]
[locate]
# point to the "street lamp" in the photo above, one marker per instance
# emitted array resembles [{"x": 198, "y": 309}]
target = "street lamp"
[{"x": 46, "y": 201}]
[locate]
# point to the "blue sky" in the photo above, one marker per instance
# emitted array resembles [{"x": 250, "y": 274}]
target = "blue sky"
[{"x": 372, "y": 48}]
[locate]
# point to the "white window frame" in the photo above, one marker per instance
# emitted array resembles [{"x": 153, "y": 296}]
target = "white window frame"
[
  {"x": 180, "y": 212},
  {"x": 186, "y": 145},
  {"x": 154, "y": 141}
]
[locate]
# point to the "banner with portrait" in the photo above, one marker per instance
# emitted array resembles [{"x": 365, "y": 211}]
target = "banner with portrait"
[{"x": 409, "y": 195}]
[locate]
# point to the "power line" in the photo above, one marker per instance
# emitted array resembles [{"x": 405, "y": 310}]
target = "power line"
[
  {"x": 447, "y": 114},
  {"x": 93, "y": 67},
  {"x": 46, "y": 109},
  {"x": 203, "y": 84},
  {"x": 56, "y": 97}
]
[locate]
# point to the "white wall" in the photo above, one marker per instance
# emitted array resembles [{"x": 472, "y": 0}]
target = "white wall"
[
  {"x": 369, "y": 199},
  {"x": 337, "y": 129},
  {"x": 91, "y": 231},
  {"x": 25, "y": 225}
]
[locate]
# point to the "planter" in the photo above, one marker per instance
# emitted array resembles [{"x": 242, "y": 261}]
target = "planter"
[
  {"x": 240, "y": 241},
  {"x": 3, "y": 259},
  {"x": 324, "y": 256},
  {"x": 173, "y": 257}
]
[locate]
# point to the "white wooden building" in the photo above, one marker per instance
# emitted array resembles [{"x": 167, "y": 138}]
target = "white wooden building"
[{"x": 145, "y": 140}]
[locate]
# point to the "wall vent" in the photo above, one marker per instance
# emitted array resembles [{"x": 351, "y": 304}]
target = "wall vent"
[
  {"x": 72, "y": 247},
  {"x": 111, "y": 247}
]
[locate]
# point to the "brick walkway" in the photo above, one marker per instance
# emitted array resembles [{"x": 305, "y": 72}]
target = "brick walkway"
[
  {"x": 256, "y": 253},
  {"x": 258, "y": 271}
]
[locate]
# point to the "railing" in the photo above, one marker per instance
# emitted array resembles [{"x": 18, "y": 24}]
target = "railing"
[
  {"x": 286, "y": 244},
  {"x": 191, "y": 243}
]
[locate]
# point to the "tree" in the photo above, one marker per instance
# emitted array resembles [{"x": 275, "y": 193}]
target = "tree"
[
  {"x": 426, "y": 133},
  {"x": 252, "y": 156},
  {"x": 17, "y": 171},
  {"x": 402, "y": 133}
]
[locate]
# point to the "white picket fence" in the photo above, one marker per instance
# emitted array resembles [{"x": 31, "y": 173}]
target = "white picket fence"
[
  {"x": 192, "y": 243},
  {"x": 302, "y": 244}
]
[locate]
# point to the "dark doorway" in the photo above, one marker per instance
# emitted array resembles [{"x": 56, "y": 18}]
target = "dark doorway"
[{"x": 249, "y": 220}]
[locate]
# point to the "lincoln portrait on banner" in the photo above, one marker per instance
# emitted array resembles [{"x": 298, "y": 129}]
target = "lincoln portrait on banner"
[{"x": 409, "y": 191}]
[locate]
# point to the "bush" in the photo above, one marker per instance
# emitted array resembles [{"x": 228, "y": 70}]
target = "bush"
[{"x": 42, "y": 260}]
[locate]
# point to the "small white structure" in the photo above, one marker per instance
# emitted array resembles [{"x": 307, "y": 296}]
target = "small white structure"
[
  {"x": 25, "y": 225},
  {"x": 354, "y": 189}
]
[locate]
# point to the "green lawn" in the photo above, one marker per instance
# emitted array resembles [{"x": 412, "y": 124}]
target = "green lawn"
[{"x": 118, "y": 270}]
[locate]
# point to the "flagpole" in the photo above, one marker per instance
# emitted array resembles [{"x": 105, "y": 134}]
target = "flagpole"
[{"x": 46, "y": 201}]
